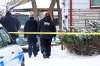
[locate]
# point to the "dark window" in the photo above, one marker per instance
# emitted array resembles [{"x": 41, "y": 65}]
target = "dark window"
[
  {"x": 4, "y": 38},
  {"x": 1, "y": 42},
  {"x": 22, "y": 18}
]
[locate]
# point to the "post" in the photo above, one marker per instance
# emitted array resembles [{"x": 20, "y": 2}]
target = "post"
[
  {"x": 59, "y": 15},
  {"x": 70, "y": 26},
  {"x": 34, "y": 9},
  {"x": 51, "y": 7}
]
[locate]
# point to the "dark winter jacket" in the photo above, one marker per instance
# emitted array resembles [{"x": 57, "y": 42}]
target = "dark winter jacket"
[
  {"x": 30, "y": 26},
  {"x": 10, "y": 23},
  {"x": 47, "y": 25}
]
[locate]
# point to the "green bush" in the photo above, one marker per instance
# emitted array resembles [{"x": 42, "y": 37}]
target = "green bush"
[{"x": 82, "y": 44}]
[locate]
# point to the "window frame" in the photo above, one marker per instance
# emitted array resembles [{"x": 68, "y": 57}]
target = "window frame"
[{"x": 94, "y": 7}]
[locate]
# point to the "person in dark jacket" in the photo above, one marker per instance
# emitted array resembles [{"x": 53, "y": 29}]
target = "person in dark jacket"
[
  {"x": 31, "y": 26},
  {"x": 11, "y": 23},
  {"x": 46, "y": 25}
]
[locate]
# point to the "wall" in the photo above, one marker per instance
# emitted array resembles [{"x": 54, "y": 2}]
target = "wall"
[
  {"x": 82, "y": 12},
  {"x": 81, "y": 4}
]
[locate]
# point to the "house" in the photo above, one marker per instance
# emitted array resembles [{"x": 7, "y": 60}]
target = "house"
[{"x": 81, "y": 13}]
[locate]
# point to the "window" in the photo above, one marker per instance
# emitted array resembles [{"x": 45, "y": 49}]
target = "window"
[
  {"x": 22, "y": 18},
  {"x": 95, "y": 3},
  {"x": 4, "y": 36},
  {"x": 1, "y": 42}
]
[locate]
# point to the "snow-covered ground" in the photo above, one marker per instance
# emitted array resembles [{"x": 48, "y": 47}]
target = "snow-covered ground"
[{"x": 62, "y": 58}]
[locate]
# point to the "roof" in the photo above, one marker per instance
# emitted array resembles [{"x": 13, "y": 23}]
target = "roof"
[{"x": 40, "y": 4}]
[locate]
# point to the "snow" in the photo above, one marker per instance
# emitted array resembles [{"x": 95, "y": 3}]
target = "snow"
[{"x": 62, "y": 58}]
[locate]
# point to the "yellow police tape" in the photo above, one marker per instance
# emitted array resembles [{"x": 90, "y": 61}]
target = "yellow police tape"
[{"x": 59, "y": 33}]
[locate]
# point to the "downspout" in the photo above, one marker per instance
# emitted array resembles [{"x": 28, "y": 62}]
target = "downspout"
[{"x": 70, "y": 18}]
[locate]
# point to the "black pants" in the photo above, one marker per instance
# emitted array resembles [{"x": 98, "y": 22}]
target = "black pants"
[
  {"x": 45, "y": 46},
  {"x": 32, "y": 45}
]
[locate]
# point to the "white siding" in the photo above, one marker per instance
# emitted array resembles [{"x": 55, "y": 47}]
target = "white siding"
[
  {"x": 82, "y": 14},
  {"x": 80, "y": 4}
]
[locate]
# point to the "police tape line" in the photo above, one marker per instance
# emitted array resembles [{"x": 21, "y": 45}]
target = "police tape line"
[{"x": 59, "y": 33}]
